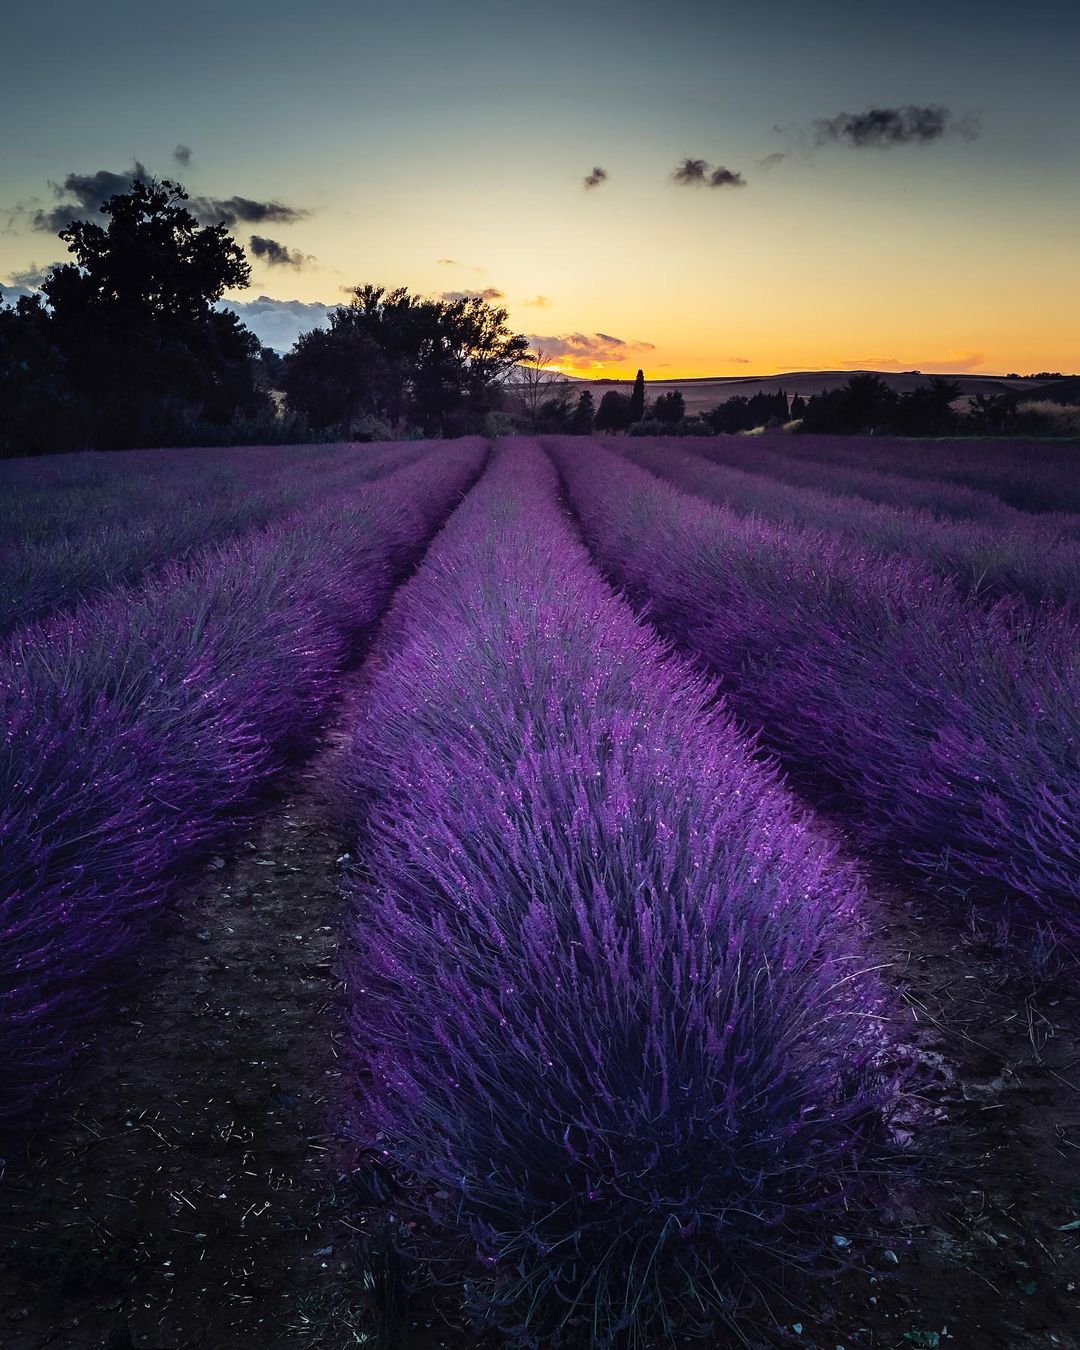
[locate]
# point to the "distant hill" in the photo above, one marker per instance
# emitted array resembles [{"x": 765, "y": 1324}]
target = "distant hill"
[{"x": 706, "y": 392}]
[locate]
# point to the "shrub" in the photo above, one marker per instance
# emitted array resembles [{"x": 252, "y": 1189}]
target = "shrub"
[
  {"x": 138, "y": 726},
  {"x": 948, "y": 734},
  {"x": 1036, "y": 561},
  {"x": 613, "y": 1021}
]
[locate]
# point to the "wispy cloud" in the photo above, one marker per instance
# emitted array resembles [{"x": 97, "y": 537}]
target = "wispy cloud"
[
  {"x": 582, "y": 351},
  {"x": 538, "y": 302},
  {"x": 488, "y": 293},
  {"x": 958, "y": 364},
  {"x": 772, "y": 161},
  {"x": 276, "y": 254},
  {"x": 885, "y": 127},
  {"x": 698, "y": 173},
  {"x": 244, "y": 211},
  {"x": 31, "y": 277},
  {"x": 182, "y": 155},
  {"x": 594, "y": 179},
  {"x": 81, "y": 195}
]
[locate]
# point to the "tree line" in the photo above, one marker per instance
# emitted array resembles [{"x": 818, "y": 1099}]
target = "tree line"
[{"x": 125, "y": 346}]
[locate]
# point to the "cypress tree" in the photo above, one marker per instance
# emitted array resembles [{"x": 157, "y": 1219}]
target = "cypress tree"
[{"x": 637, "y": 398}]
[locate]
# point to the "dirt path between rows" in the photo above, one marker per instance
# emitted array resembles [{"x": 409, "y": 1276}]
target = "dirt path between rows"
[{"x": 187, "y": 1195}]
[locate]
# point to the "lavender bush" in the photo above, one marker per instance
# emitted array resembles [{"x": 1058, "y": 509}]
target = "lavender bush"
[
  {"x": 861, "y": 470},
  {"x": 73, "y": 525},
  {"x": 612, "y": 1014},
  {"x": 988, "y": 560},
  {"x": 137, "y": 725},
  {"x": 948, "y": 733},
  {"x": 1035, "y": 475}
]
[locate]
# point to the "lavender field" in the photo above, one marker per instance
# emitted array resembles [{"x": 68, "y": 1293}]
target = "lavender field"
[{"x": 590, "y": 893}]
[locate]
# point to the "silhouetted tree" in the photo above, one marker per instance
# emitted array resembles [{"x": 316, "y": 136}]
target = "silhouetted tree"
[
  {"x": 866, "y": 404},
  {"x": 581, "y": 424},
  {"x": 135, "y": 342},
  {"x": 927, "y": 410},
  {"x": 990, "y": 413},
  {"x": 38, "y": 413},
  {"x": 670, "y": 408},
  {"x": 613, "y": 413},
  {"x": 798, "y": 407},
  {"x": 637, "y": 398},
  {"x": 535, "y": 381},
  {"x": 400, "y": 357},
  {"x": 730, "y": 416}
]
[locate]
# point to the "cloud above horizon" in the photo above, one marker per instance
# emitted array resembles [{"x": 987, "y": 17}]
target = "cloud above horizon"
[
  {"x": 182, "y": 155},
  {"x": 884, "y": 128},
  {"x": 31, "y": 277},
  {"x": 698, "y": 173},
  {"x": 278, "y": 323},
  {"x": 488, "y": 293},
  {"x": 581, "y": 351},
  {"x": 82, "y": 195},
  {"x": 276, "y": 254},
  {"x": 232, "y": 211},
  {"x": 594, "y": 179},
  {"x": 538, "y": 302},
  {"x": 960, "y": 364}
]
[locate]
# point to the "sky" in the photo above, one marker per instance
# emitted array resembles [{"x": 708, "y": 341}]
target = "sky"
[{"x": 694, "y": 188}]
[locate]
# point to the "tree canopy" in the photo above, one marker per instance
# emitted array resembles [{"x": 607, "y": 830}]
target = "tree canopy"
[
  {"x": 125, "y": 339},
  {"x": 403, "y": 358}
]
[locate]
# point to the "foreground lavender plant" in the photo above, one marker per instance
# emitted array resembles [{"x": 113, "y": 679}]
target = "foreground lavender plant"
[
  {"x": 136, "y": 725},
  {"x": 949, "y": 734},
  {"x": 1028, "y": 559},
  {"x": 611, "y": 1011}
]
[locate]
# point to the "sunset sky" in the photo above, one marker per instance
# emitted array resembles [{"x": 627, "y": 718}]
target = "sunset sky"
[{"x": 447, "y": 147}]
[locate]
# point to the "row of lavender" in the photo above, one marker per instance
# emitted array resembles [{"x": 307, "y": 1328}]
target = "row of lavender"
[
  {"x": 1030, "y": 556},
  {"x": 616, "y": 1031},
  {"x": 864, "y": 468},
  {"x": 947, "y": 732},
  {"x": 138, "y": 725},
  {"x": 1036, "y": 476},
  {"x": 74, "y": 525}
]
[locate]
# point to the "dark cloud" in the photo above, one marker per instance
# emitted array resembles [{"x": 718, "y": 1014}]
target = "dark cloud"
[
  {"x": 84, "y": 194},
  {"x": 690, "y": 172},
  {"x": 275, "y": 254},
  {"x": 31, "y": 276},
  {"x": 698, "y": 173},
  {"x": 488, "y": 293},
  {"x": 771, "y": 161},
  {"x": 722, "y": 177},
  {"x": 594, "y": 179},
  {"x": 582, "y": 350},
  {"x": 278, "y": 323},
  {"x": 883, "y": 128},
  {"x": 182, "y": 155},
  {"x": 243, "y": 211}
]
